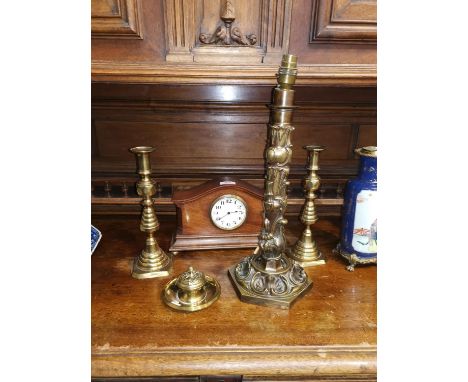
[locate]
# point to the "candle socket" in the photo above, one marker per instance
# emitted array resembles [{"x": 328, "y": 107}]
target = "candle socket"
[
  {"x": 268, "y": 277},
  {"x": 152, "y": 261},
  {"x": 305, "y": 251}
]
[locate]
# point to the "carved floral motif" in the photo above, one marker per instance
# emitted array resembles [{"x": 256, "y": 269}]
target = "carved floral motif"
[{"x": 223, "y": 34}]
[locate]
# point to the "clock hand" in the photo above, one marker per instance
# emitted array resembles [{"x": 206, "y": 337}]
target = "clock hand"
[{"x": 221, "y": 218}]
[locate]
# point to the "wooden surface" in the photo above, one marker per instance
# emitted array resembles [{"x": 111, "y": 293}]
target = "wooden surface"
[
  {"x": 195, "y": 229},
  {"x": 222, "y": 129},
  {"x": 115, "y": 19},
  {"x": 165, "y": 47},
  {"x": 192, "y": 34},
  {"x": 330, "y": 332},
  {"x": 195, "y": 207},
  {"x": 118, "y": 196},
  {"x": 344, "y": 21},
  {"x": 207, "y": 130}
]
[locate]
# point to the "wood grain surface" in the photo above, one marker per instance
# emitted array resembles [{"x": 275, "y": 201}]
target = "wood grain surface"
[
  {"x": 330, "y": 332},
  {"x": 203, "y": 131},
  {"x": 166, "y": 38}
]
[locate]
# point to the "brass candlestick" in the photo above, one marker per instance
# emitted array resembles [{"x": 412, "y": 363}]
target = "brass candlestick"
[
  {"x": 305, "y": 251},
  {"x": 152, "y": 261},
  {"x": 269, "y": 277}
]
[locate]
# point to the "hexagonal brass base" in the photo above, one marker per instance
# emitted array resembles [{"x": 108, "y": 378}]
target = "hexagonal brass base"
[
  {"x": 274, "y": 301},
  {"x": 139, "y": 273}
]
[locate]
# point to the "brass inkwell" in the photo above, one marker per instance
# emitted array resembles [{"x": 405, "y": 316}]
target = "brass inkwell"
[
  {"x": 269, "y": 277},
  {"x": 191, "y": 291}
]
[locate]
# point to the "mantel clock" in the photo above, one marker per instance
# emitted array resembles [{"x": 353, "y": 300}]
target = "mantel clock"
[{"x": 222, "y": 213}]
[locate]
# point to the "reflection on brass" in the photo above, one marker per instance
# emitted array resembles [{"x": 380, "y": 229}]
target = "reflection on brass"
[
  {"x": 191, "y": 291},
  {"x": 305, "y": 251},
  {"x": 223, "y": 34},
  {"x": 269, "y": 277},
  {"x": 153, "y": 261}
]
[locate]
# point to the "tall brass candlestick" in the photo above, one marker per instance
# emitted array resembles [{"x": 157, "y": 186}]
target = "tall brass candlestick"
[
  {"x": 269, "y": 277},
  {"x": 152, "y": 261},
  {"x": 305, "y": 251}
]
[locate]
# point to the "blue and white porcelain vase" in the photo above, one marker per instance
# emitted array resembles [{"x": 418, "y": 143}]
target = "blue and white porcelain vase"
[{"x": 358, "y": 241}]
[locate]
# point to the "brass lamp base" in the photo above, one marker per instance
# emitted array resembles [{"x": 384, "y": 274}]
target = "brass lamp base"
[
  {"x": 279, "y": 288},
  {"x": 146, "y": 270}
]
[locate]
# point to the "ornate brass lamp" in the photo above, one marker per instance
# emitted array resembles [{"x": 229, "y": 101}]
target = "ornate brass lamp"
[
  {"x": 152, "y": 261},
  {"x": 305, "y": 251},
  {"x": 269, "y": 277}
]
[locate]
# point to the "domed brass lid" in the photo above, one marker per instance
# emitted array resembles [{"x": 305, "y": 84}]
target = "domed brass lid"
[
  {"x": 368, "y": 151},
  {"x": 191, "y": 280},
  {"x": 191, "y": 291}
]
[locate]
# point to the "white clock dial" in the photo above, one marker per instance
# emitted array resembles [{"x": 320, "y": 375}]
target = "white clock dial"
[{"x": 228, "y": 212}]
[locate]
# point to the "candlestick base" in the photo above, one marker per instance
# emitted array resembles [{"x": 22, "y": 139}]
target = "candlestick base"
[
  {"x": 280, "y": 288},
  {"x": 147, "y": 267},
  {"x": 305, "y": 251}
]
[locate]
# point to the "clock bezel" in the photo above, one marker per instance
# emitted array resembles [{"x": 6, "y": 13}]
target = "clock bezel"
[{"x": 229, "y": 196}]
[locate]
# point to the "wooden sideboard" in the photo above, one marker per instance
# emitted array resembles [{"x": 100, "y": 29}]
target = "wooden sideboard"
[
  {"x": 329, "y": 334},
  {"x": 200, "y": 131},
  {"x": 158, "y": 41},
  {"x": 204, "y": 108}
]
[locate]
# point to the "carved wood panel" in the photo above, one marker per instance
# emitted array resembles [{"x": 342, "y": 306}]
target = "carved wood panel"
[
  {"x": 227, "y": 31},
  {"x": 115, "y": 19},
  {"x": 344, "y": 21}
]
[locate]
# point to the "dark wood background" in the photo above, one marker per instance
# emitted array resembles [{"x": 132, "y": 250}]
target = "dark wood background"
[
  {"x": 153, "y": 83},
  {"x": 210, "y": 119}
]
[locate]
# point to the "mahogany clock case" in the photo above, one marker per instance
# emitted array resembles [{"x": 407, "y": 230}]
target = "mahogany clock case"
[{"x": 195, "y": 229}]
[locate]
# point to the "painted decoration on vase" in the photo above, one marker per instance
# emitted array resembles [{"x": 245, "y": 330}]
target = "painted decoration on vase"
[
  {"x": 95, "y": 238},
  {"x": 365, "y": 222}
]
